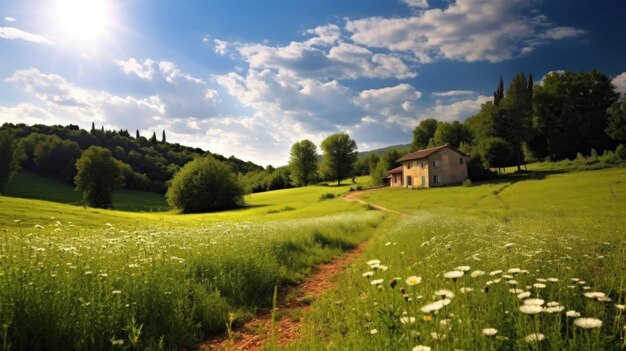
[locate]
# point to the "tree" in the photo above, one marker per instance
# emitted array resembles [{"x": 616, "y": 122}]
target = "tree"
[
  {"x": 57, "y": 157},
  {"x": 616, "y": 126},
  {"x": 340, "y": 153},
  {"x": 451, "y": 133},
  {"x": 93, "y": 128},
  {"x": 99, "y": 175},
  {"x": 11, "y": 156},
  {"x": 204, "y": 184},
  {"x": 153, "y": 138},
  {"x": 137, "y": 134},
  {"x": 379, "y": 173},
  {"x": 498, "y": 95},
  {"x": 423, "y": 133},
  {"x": 497, "y": 152},
  {"x": 163, "y": 140},
  {"x": 303, "y": 162},
  {"x": 570, "y": 111}
]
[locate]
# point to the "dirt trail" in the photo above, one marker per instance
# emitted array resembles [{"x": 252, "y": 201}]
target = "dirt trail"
[
  {"x": 355, "y": 196},
  {"x": 293, "y": 302}
]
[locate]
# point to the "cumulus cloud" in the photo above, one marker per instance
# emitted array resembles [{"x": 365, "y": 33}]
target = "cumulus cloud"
[
  {"x": 620, "y": 83},
  {"x": 467, "y": 30},
  {"x": 27, "y": 113},
  {"x": 12, "y": 33},
  {"x": 422, "y": 4},
  {"x": 66, "y": 101},
  {"x": 182, "y": 94}
]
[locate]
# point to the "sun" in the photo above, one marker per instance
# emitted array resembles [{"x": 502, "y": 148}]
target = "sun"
[{"x": 83, "y": 20}]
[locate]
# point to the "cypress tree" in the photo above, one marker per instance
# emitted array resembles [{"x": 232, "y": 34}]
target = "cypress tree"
[
  {"x": 93, "y": 128},
  {"x": 163, "y": 138},
  {"x": 137, "y": 134},
  {"x": 153, "y": 138}
]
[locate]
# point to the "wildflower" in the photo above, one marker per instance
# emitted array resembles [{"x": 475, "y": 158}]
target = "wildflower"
[
  {"x": 39, "y": 226},
  {"x": 427, "y": 318},
  {"x": 368, "y": 274},
  {"x": 539, "y": 285},
  {"x": 116, "y": 292},
  {"x": 572, "y": 314},
  {"x": 388, "y": 243},
  {"x": 116, "y": 342},
  {"x": 604, "y": 299},
  {"x": 462, "y": 268},
  {"x": 594, "y": 294},
  {"x": 413, "y": 280},
  {"x": 436, "y": 306},
  {"x": 513, "y": 282},
  {"x": 523, "y": 295},
  {"x": 477, "y": 273},
  {"x": 507, "y": 276},
  {"x": 438, "y": 336},
  {"x": 420, "y": 348},
  {"x": 620, "y": 307},
  {"x": 554, "y": 309},
  {"x": 553, "y": 280},
  {"x": 516, "y": 291},
  {"x": 377, "y": 281},
  {"x": 574, "y": 279},
  {"x": 534, "y": 337},
  {"x": 465, "y": 290},
  {"x": 373, "y": 262},
  {"x": 374, "y": 331},
  {"x": 454, "y": 275},
  {"x": 536, "y": 302},
  {"x": 382, "y": 267},
  {"x": 407, "y": 320},
  {"x": 508, "y": 245},
  {"x": 443, "y": 293},
  {"x": 490, "y": 331},
  {"x": 541, "y": 280},
  {"x": 495, "y": 272},
  {"x": 514, "y": 270},
  {"x": 530, "y": 309},
  {"x": 588, "y": 323}
]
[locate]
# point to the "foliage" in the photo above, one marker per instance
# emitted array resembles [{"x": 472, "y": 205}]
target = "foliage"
[
  {"x": 98, "y": 176},
  {"x": 616, "y": 124},
  {"x": 303, "y": 162},
  {"x": 203, "y": 185},
  {"x": 265, "y": 180},
  {"x": 11, "y": 156},
  {"x": 379, "y": 174},
  {"x": 423, "y": 133},
  {"x": 497, "y": 152},
  {"x": 570, "y": 111},
  {"x": 453, "y": 133},
  {"x": 340, "y": 154},
  {"x": 327, "y": 196},
  {"x": 157, "y": 162}
]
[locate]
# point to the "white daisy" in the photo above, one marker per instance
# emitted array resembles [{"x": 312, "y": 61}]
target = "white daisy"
[{"x": 588, "y": 323}]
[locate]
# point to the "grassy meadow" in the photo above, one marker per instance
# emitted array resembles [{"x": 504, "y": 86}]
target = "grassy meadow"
[
  {"x": 455, "y": 271},
  {"x": 87, "y": 279}
]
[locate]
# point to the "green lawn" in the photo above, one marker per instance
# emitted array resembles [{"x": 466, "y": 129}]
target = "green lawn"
[
  {"x": 32, "y": 185},
  {"x": 559, "y": 237}
]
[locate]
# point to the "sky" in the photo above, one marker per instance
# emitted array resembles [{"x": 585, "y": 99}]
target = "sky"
[{"x": 250, "y": 78}]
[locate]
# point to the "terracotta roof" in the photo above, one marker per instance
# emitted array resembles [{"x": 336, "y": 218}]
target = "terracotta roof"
[
  {"x": 427, "y": 152},
  {"x": 396, "y": 170}
]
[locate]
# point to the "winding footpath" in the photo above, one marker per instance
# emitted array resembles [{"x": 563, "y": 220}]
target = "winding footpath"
[{"x": 293, "y": 302}]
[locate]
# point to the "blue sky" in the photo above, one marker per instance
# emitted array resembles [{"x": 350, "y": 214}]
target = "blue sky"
[{"x": 249, "y": 78}]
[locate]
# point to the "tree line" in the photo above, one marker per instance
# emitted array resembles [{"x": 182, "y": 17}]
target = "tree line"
[{"x": 567, "y": 114}]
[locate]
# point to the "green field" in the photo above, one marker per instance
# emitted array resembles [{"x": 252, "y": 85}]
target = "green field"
[
  {"x": 86, "y": 279},
  {"x": 35, "y": 186}
]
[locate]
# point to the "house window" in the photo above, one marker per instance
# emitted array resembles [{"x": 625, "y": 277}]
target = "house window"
[
  {"x": 436, "y": 179},
  {"x": 435, "y": 163},
  {"x": 423, "y": 180},
  {"x": 423, "y": 164},
  {"x": 461, "y": 160}
]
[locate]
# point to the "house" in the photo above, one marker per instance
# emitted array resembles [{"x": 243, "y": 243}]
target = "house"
[{"x": 435, "y": 166}]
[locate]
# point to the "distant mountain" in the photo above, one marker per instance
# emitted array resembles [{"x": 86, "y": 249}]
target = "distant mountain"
[{"x": 381, "y": 151}]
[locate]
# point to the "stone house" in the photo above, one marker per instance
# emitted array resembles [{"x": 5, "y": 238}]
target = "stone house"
[{"x": 432, "y": 167}]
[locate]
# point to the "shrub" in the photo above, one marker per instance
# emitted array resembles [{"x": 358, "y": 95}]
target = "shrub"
[
  {"x": 327, "y": 196},
  {"x": 467, "y": 182},
  {"x": 98, "y": 175},
  {"x": 204, "y": 184}
]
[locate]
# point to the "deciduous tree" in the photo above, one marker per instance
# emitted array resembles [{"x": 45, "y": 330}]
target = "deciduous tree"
[
  {"x": 340, "y": 153},
  {"x": 99, "y": 175},
  {"x": 303, "y": 162}
]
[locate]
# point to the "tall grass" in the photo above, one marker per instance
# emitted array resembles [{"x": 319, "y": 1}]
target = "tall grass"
[{"x": 154, "y": 286}]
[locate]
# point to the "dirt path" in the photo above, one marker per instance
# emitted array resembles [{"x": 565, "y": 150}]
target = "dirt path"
[
  {"x": 256, "y": 333},
  {"x": 355, "y": 196},
  {"x": 293, "y": 302}
]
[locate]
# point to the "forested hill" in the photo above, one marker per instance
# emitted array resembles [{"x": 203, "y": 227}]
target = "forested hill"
[{"x": 148, "y": 162}]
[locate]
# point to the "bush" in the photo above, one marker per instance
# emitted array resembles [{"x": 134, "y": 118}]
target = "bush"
[
  {"x": 327, "y": 196},
  {"x": 467, "y": 182},
  {"x": 204, "y": 184},
  {"x": 620, "y": 152},
  {"x": 98, "y": 175}
]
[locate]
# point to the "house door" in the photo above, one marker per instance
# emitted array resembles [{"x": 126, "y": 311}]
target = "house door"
[
  {"x": 423, "y": 180},
  {"x": 408, "y": 181}
]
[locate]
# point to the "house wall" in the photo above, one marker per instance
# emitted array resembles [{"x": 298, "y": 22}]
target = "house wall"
[
  {"x": 451, "y": 167},
  {"x": 396, "y": 180},
  {"x": 414, "y": 169}
]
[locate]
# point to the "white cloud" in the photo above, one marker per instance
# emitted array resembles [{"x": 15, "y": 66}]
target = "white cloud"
[
  {"x": 422, "y": 4},
  {"x": 221, "y": 46},
  {"x": 12, "y": 33},
  {"x": 182, "y": 94},
  {"x": 457, "y": 110},
  {"x": 10, "y": 19},
  {"x": 620, "y": 83},
  {"x": 453, "y": 93},
  {"x": 27, "y": 113},
  {"x": 467, "y": 30}
]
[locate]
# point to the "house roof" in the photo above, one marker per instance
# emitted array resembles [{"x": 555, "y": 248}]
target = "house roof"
[
  {"x": 396, "y": 170},
  {"x": 427, "y": 152}
]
